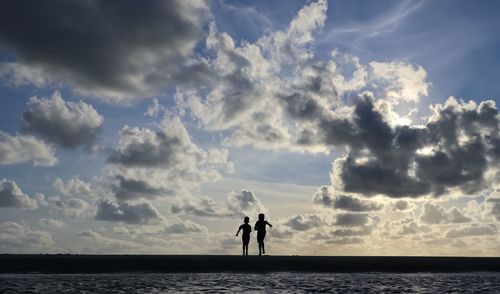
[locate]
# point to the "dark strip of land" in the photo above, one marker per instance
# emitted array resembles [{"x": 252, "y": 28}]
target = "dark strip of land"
[{"x": 12, "y": 263}]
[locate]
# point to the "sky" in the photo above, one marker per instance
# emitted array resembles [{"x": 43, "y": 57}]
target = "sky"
[{"x": 155, "y": 127}]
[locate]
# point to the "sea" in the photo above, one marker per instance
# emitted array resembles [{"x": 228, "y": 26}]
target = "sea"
[{"x": 281, "y": 282}]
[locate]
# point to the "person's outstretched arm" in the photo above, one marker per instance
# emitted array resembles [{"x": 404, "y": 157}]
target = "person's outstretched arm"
[
  {"x": 255, "y": 228},
  {"x": 239, "y": 229},
  {"x": 269, "y": 224}
]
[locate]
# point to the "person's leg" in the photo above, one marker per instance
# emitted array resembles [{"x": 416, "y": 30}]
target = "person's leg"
[
  {"x": 263, "y": 246},
  {"x": 246, "y": 240}
]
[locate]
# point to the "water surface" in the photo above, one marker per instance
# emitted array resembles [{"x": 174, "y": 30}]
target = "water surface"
[{"x": 252, "y": 283}]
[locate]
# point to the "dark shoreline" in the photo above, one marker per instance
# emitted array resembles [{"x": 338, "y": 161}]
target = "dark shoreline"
[{"x": 13, "y": 263}]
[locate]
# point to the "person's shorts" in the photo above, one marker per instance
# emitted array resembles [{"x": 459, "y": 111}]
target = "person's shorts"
[
  {"x": 245, "y": 239},
  {"x": 261, "y": 236}
]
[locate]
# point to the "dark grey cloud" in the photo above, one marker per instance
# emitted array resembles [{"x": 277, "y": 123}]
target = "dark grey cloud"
[
  {"x": 401, "y": 205},
  {"x": 145, "y": 148},
  {"x": 324, "y": 197},
  {"x": 128, "y": 188},
  {"x": 352, "y": 219},
  {"x": 141, "y": 213},
  {"x": 66, "y": 124},
  {"x": 393, "y": 161},
  {"x": 350, "y": 203},
  {"x": 169, "y": 148},
  {"x": 473, "y": 230},
  {"x": 302, "y": 107},
  {"x": 451, "y": 151},
  {"x": 304, "y": 222},
  {"x": 354, "y": 225},
  {"x": 436, "y": 214},
  {"x": 22, "y": 148},
  {"x": 12, "y": 196},
  {"x": 117, "y": 49}
]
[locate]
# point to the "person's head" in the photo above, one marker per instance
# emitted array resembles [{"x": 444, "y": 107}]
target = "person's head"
[
  {"x": 261, "y": 216},
  {"x": 246, "y": 219}
]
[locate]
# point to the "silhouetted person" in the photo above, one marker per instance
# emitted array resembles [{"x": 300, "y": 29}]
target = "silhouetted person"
[
  {"x": 260, "y": 227},
  {"x": 245, "y": 237}
]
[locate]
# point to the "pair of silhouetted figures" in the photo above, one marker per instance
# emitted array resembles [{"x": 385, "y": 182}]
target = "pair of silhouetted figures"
[{"x": 260, "y": 227}]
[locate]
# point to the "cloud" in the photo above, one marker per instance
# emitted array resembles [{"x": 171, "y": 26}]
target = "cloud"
[
  {"x": 494, "y": 204},
  {"x": 387, "y": 155},
  {"x": 366, "y": 230},
  {"x": 151, "y": 164},
  {"x": 66, "y": 124},
  {"x": 140, "y": 213},
  {"x": 102, "y": 244},
  {"x": 473, "y": 230},
  {"x": 273, "y": 93},
  {"x": 51, "y": 223},
  {"x": 184, "y": 227},
  {"x": 20, "y": 238},
  {"x": 71, "y": 206},
  {"x": 436, "y": 214},
  {"x": 146, "y": 148},
  {"x": 352, "y": 219},
  {"x": 22, "y": 148},
  {"x": 329, "y": 239},
  {"x": 101, "y": 49},
  {"x": 288, "y": 46},
  {"x": 401, "y": 205},
  {"x": 325, "y": 198},
  {"x": 345, "y": 241},
  {"x": 246, "y": 79},
  {"x": 12, "y": 196},
  {"x": 243, "y": 204},
  {"x": 140, "y": 186},
  {"x": 200, "y": 206},
  {"x": 452, "y": 151},
  {"x": 282, "y": 231},
  {"x": 304, "y": 222},
  {"x": 154, "y": 109},
  {"x": 405, "y": 82},
  {"x": 313, "y": 105},
  {"x": 74, "y": 187},
  {"x": 407, "y": 226}
]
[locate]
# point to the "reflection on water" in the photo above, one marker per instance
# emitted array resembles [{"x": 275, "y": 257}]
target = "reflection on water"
[{"x": 252, "y": 283}]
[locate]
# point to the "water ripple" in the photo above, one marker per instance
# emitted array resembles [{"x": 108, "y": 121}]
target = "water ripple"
[{"x": 252, "y": 283}]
